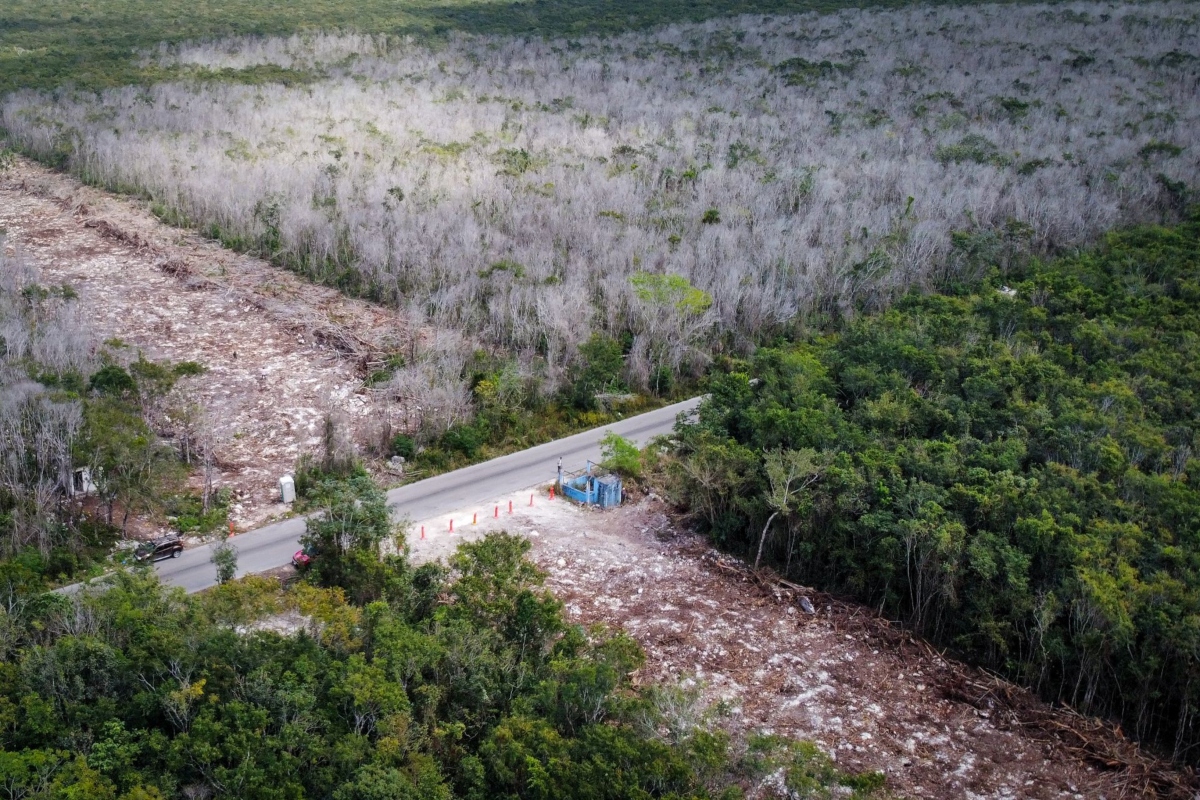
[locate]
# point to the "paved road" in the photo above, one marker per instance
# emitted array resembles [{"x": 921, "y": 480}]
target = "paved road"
[{"x": 273, "y": 545}]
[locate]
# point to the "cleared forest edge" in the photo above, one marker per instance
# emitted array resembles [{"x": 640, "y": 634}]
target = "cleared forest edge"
[
  {"x": 864, "y": 689},
  {"x": 280, "y": 352}
]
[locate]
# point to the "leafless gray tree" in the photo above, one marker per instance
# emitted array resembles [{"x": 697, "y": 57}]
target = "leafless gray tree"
[{"x": 38, "y": 329}]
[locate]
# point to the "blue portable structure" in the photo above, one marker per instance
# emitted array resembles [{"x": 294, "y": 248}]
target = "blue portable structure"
[{"x": 593, "y": 486}]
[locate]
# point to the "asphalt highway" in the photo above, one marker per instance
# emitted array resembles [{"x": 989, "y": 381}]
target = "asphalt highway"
[{"x": 273, "y": 545}]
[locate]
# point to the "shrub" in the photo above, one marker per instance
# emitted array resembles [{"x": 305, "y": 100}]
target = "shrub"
[
  {"x": 310, "y": 473},
  {"x": 515, "y": 162},
  {"x": 1012, "y": 107},
  {"x": 505, "y": 265},
  {"x": 1157, "y": 148},
  {"x": 1033, "y": 165},
  {"x": 112, "y": 380},
  {"x": 974, "y": 148},
  {"x": 189, "y": 368},
  {"x": 1080, "y": 59},
  {"x": 224, "y": 556},
  {"x": 464, "y": 439},
  {"x": 802, "y": 72},
  {"x": 190, "y": 516},
  {"x": 62, "y": 562},
  {"x": 403, "y": 446},
  {"x": 598, "y": 370},
  {"x": 621, "y": 456},
  {"x": 663, "y": 380},
  {"x": 670, "y": 290}
]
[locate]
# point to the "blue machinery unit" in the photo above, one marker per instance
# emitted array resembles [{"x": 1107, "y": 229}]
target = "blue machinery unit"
[{"x": 592, "y": 486}]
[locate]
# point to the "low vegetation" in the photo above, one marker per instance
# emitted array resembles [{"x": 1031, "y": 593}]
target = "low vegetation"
[{"x": 1011, "y": 471}]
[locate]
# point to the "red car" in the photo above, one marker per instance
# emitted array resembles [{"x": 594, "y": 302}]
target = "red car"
[{"x": 303, "y": 557}]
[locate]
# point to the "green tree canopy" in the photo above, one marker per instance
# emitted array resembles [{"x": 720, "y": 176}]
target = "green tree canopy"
[{"x": 1012, "y": 472}]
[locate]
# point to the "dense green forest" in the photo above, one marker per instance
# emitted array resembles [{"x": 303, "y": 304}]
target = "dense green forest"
[
  {"x": 401, "y": 682},
  {"x": 1011, "y": 469}
]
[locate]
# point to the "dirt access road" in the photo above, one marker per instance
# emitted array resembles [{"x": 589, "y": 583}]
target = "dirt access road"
[{"x": 280, "y": 352}]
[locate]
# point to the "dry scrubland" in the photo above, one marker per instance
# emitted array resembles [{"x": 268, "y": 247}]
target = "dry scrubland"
[{"x": 513, "y": 188}]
